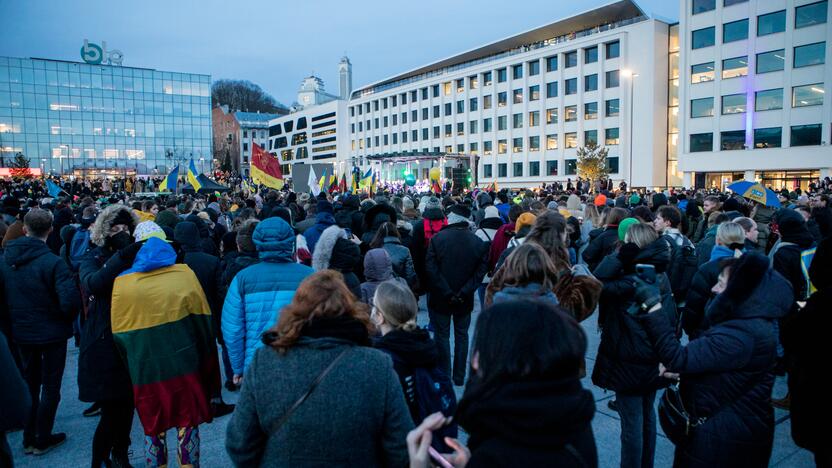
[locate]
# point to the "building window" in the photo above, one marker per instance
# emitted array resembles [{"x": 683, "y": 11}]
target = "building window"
[
  {"x": 810, "y": 15},
  {"x": 703, "y": 107},
  {"x": 446, "y": 88},
  {"x": 404, "y": 137},
  {"x": 701, "y": 6},
  {"x": 425, "y": 134},
  {"x": 245, "y": 133},
  {"x": 806, "y": 135},
  {"x": 448, "y": 109},
  {"x": 612, "y": 107},
  {"x": 611, "y": 136},
  {"x": 502, "y": 99},
  {"x": 517, "y": 96},
  {"x": 245, "y": 146},
  {"x": 534, "y": 68},
  {"x": 570, "y": 140},
  {"x": 517, "y": 170},
  {"x": 486, "y": 147},
  {"x": 486, "y": 125},
  {"x": 393, "y": 101},
  {"x": 534, "y": 93},
  {"x": 486, "y": 78},
  {"x": 571, "y": 59},
  {"x": 414, "y": 135},
  {"x": 771, "y": 23},
  {"x": 352, "y": 111},
  {"x": 486, "y": 170},
  {"x": 571, "y": 166},
  {"x": 701, "y": 38},
  {"x": 436, "y": 131},
  {"x": 486, "y": 102},
  {"x": 591, "y": 54},
  {"x": 534, "y": 143},
  {"x": 590, "y": 111},
  {"x": 414, "y": 115},
  {"x": 612, "y": 165},
  {"x": 807, "y": 95},
  {"x": 404, "y": 117},
  {"x": 768, "y": 137},
  {"x": 734, "y": 67},
  {"x": 473, "y": 104},
  {"x": 732, "y": 2},
  {"x": 395, "y": 119},
  {"x": 502, "y": 170},
  {"x": 590, "y": 137},
  {"x": 570, "y": 114},
  {"x": 534, "y": 118},
  {"x": 733, "y": 104},
  {"x": 424, "y": 95},
  {"x": 436, "y": 112},
  {"x": 517, "y": 145},
  {"x": 613, "y": 49},
  {"x": 502, "y": 146},
  {"x": 460, "y": 85},
  {"x": 552, "y": 89},
  {"x": 590, "y": 82},
  {"x": 502, "y": 122},
  {"x": 425, "y": 112},
  {"x": 534, "y": 168},
  {"x": 460, "y": 107},
  {"x": 770, "y": 61},
  {"x": 810, "y": 54},
  {"x": 552, "y": 63},
  {"x": 612, "y": 79},
  {"x": 472, "y": 127},
  {"x": 375, "y": 121},
  {"x": 770, "y": 99},
  {"x": 435, "y": 90},
  {"x": 551, "y": 168},
  {"x": 413, "y": 96},
  {"x": 702, "y": 72},
  {"x": 517, "y": 121},
  {"x": 552, "y": 115},
  {"x": 516, "y": 72},
  {"x": 448, "y": 130},
  {"x": 570, "y": 86},
  {"x": 700, "y": 142},
  {"x": 551, "y": 142},
  {"x": 735, "y": 31},
  {"x": 733, "y": 140},
  {"x": 501, "y": 75}
]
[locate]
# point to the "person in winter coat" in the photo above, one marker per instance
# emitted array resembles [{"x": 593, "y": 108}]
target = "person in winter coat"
[
  {"x": 377, "y": 269},
  {"x": 710, "y": 205},
  {"x": 16, "y": 401},
  {"x": 167, "y": 341},
  {"x": 486, "y": 230},
  {"x": 527, "y": 274},
  {"x": 323, "y": 219},
  {"x": 704, "y": 246},
  {"x": 801, "y": 335},
  {"x": 348, "y": 216},
  {"x": 373, "y": 220},
  {"x": 786, "y": 254},
  {"x": 456, "y": 262},
  {"x": 207, "y": 244},
  {"x": 524, "y": 404},
  {"x": 387, "y": 237},
  {"x": 762, "y": 215},
  {"x": 246, "y": 253},
  {"x": 503, "y": 236},
  {"x": 323, "y": 336},
  {"x": 606, "y": 242},
  {"x": 626, "y": 362},
  {"x": 503, "y": 206},
  {"x": 41, "y": 300},
  {"x": 752, "y": 235},
  {"x": 730, "y": 239},
  {"x": 259, "y": 292},
  {"x": 433, "y": 220},
  {"x": 341, "y": 253},
  {"x": 483, "y": 201},
  {"x": 726, "y": 373},
  {"x": 102, "y": 375}
]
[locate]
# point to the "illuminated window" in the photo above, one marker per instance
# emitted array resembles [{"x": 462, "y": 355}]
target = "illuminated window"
[
  {"x": 733, "y": 104},
  {"x": 517, "y": 145},
  {"x": 702, "y": 72},
  {"x": 570, "y": 113},
  {"x": 552, "y": 116},
  {"x": 551, "y": 142},
  {"x": 502, "y": 146},
  {"x": 571, "y": 140},
  {"x": 534, "y": 118},
  {"x": 590, "y": 111},
  {"x": 517, "y": 96},
  {"x": 534, "y": 93},
  {"x": 734, "y": 67},
  {"x": 447, "y": 88},
  {"x": 807, "y": 95},
  {"x": 534, "y": 143},
  {"x": 611, "y": 136}
]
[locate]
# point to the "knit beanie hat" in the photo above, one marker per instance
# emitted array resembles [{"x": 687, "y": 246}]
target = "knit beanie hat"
[
  {"x": 491, "y": 212},
  {"x": 433, "y": 202},
  {"x": 600, "y": 200},
  {"x": 525, "y": 219},
  {"x": 635, "y": 199},
  {"x": 624, "y": 225}
]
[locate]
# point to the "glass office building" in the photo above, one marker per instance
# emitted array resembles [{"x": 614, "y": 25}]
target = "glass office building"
[{"x": 95, "y": 120}]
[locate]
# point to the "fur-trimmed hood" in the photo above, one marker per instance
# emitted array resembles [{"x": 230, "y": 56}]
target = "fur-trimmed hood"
[
  {"x": 324, "y": 247},
  {"x": 101, "y": 227}
]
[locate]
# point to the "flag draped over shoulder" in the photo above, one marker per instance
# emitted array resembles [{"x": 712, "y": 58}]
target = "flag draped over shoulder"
[
  {"x": 169, "y": 183},
  {"x": 161, "y": 324},
  {"x": 192, "y": 176},
  {"x": 265, "y": 169}
]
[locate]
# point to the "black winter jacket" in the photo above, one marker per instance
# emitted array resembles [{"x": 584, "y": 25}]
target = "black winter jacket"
[
  {"x": 626, "y": 362},
  {"x": 726, "y": 376},
  {"x": 41, "y": 295},
  {"x": 346, "y": 258},
  {"x": 693, "y": 316},
  {"x": 102, "y": 374},
  {"x": 207, "y": 268},
  {"x": 456, "y": 262},
  {"x": 600, "y": 246},
  {"x": 410, "y": 350}
]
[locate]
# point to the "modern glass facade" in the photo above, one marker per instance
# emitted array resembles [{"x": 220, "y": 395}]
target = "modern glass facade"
[{"x": 94, "y": 120}]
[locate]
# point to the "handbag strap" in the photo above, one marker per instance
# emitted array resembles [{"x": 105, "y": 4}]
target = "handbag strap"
[{"x": 277, "y": 425}]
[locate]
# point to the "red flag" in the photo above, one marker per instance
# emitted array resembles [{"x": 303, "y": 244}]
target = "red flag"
[
  {"x": 343, "y": 185},
  {"x": 265, "y": 168},
  {"x": 333, "y": 186}
]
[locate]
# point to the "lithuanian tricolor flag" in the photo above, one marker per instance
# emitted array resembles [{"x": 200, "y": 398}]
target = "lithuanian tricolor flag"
[
  {"x": 161, "y": 323},
  {"x": 265, "y": 169}
]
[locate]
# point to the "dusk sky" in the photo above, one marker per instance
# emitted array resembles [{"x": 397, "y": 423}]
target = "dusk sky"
[{"x": 277, "y": 43}]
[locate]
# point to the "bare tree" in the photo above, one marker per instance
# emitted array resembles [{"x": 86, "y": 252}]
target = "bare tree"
[{"x": 245, "y": 96}]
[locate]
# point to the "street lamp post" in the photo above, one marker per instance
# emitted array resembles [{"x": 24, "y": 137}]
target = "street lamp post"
[{"x": 632, "y": 76}]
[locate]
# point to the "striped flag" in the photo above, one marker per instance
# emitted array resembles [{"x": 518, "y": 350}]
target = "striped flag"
[
  {"x": 170, "y": 182},
  {"x": 192, "y": 176}
]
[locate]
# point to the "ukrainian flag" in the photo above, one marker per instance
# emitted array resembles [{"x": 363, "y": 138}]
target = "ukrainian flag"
[
  {"x": 169, "y": 183},
  {"x": 367, "y": 180},
  {"x": 192, "y": 176}
]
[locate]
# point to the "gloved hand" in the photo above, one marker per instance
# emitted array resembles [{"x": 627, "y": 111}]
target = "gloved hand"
[
  {"x": 647, "y": 298},
  {"x": 627, "y": 254}
]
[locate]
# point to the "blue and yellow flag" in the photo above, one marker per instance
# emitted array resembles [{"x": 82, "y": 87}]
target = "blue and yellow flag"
[
  {"x": 170, "y": 182},
  {"x": 367, "y": 180},
  {"x": 192, "y": 177},
  {"x": 324, "y": 182}
]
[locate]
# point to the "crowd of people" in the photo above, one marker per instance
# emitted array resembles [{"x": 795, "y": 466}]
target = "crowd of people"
[{"x": 308, "y": 307}]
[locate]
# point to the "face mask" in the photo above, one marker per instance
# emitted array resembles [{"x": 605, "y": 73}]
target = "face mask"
[{"x": 120, "y": 240}]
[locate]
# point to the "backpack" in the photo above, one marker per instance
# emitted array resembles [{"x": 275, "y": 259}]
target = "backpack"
[
  {"x": 78, "y": 247},
  {"x": 427, "y": 391},
  {"x": 683, "y": 266},
  {"x": 431, "y": 227}
]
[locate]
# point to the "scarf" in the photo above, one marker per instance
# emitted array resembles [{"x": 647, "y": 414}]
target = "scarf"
[{"x": 343, "y": 327}]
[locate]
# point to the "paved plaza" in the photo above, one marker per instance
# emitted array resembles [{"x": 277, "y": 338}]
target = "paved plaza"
[{"x": 76, "y": 451}]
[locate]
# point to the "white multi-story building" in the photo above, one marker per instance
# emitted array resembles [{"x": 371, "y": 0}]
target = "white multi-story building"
[
  {"x": 524, "y": 104},
  {"x": 753, "y": 98}
]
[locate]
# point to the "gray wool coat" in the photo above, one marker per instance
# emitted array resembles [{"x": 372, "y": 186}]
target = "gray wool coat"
[{"x": 355, "y": 417}]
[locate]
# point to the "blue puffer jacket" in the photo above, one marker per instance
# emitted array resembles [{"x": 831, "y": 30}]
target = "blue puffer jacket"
[
  {"x": 322, "y": 221},
  {"x": 259, "y": 292}
]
